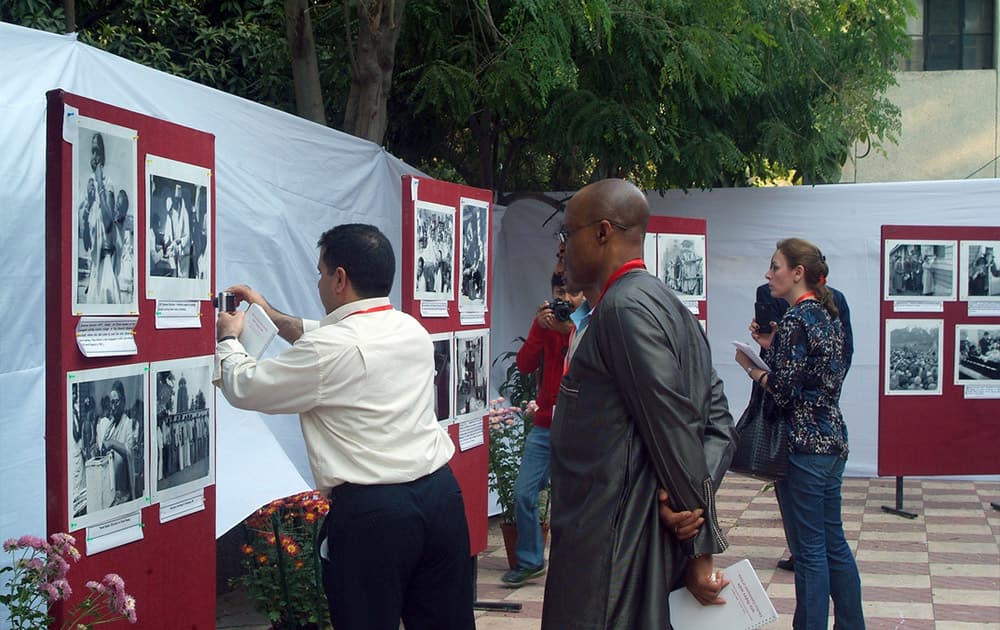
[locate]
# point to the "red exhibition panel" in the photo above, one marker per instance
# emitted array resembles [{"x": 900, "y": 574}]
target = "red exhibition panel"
[
  {"x": 470, "y": 466},
  {"x": 171, "y": 570},
  {"x": 683, "y": 225},
  {"x": 945, "y": 434}
]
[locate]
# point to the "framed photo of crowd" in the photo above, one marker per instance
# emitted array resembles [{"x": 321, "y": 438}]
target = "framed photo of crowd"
[
  {"x": 434, "y": 249},
  {"x": 182, "y": 436},
  {"x": 913, "y": 357}
]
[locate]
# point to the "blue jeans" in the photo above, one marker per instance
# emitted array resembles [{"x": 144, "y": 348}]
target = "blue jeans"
[
  {"x": 824, "y": 564},
  {"x": 532, "y": 477}
]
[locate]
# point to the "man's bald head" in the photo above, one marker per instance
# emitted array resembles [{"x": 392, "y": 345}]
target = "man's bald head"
[
  {"x": 617, "y": 201},
  {"x": 604, "y": 228}
]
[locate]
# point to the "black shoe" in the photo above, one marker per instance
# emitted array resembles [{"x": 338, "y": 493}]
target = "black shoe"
[
  {"x": 517, "y": 577},
  {"x": 787, "y": 565}
]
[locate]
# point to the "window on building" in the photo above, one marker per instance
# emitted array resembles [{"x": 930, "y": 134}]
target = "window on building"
[{"x": 951, "y": 35}]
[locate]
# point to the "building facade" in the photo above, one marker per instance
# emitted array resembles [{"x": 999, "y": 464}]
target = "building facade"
[{"x": 949, "y": 94}]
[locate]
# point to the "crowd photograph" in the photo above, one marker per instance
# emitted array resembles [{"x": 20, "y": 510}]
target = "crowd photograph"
[
  {"x": 913, "y": 356},
  {"x": 183, "y": 438},
  {"x": 434, "y": 252}
]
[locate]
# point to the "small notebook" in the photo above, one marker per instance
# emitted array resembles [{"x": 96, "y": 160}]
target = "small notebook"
[
  {"x": 258, "y": 331},
  {"x": 747, "y": 604}
]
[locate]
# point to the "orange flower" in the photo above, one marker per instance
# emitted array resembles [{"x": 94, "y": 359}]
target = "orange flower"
[
  {"x": 247, "y": 549},
  {"x": 292, "y": 549},
  {"x": 262, "y": 559},
  {"x": 299, "y": 564},
  {"x": 310, "y": 517}
]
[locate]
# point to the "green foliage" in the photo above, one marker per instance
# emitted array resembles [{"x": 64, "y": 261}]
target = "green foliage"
[{"x": 524, "y": 95}]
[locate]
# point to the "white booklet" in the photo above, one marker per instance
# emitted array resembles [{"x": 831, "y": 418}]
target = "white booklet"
[
  {"x": 747, "y": 604},
  {"x": 748, "y": 350},
  {"x": 258, "y": 331}
]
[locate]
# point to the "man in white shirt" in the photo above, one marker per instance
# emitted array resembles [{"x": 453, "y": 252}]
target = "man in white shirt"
[{"x": 396, "y": 541}]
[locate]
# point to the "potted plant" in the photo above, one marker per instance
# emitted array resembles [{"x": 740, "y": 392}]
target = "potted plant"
[
  {"x": 283, "y": 577},
  {"x": 509, "y": 425}
]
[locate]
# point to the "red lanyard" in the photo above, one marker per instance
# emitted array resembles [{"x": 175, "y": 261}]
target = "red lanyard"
[
  {"x": 805, "y": 296},
  {"x": 635, "y": 263},
  {"x": 374, "y": 309}
]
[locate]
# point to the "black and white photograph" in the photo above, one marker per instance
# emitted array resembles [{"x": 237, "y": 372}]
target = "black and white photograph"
[
  {"x": 472, "y": 368},
  {"x": 106, "y": 438},
  {"x": 475, "y": 255},
  {"x": 977, "y": 354},
  {"x": 182, "y": 442},
  {"x": 434, "y": 251},
  {"x": 444, "y": 387},
  {"x": 178, "y": 239},
  {"x": 920, "y": 270},
  {"x": 980, "y": 272},
  {"x": 913, "y": 361},
  {"x": 649, "y": 252},
  {"x": 681, "y": 264},
  {"x": 104, "y": 219}
]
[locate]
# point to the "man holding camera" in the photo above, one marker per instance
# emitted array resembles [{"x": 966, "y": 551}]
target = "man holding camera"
[
  {"x": 545, "y": 348},
  {"x": 395, "y": 544}
]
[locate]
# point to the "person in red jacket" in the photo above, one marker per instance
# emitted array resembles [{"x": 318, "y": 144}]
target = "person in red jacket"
[{"x": 544, "y": 350}]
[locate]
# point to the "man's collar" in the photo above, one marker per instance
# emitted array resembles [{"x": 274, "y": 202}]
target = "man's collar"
[{"x": 353, "y": 307}]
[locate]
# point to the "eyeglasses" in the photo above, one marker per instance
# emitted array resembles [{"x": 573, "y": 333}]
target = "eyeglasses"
[{"x": 564, "y": 233}]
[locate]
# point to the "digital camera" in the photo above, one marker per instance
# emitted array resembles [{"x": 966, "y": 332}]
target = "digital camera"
[
  {"x": 225, "y": 301},
  {"x": 561, "y": 309}
]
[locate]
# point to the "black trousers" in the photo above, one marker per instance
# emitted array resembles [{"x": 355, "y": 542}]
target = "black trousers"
[{"x": 399, "y": 552}]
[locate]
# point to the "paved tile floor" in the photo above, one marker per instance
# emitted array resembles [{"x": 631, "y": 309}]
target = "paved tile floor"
[{"x": 940, "y": 570}]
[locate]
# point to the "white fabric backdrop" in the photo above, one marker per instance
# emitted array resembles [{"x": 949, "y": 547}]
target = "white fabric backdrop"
[
  {"x": 743, "y": 226},
  {"x": 281, "y": 181}
]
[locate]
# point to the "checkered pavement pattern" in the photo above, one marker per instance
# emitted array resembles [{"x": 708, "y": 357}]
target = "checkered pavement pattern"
[{"x": 940, "y": 570}]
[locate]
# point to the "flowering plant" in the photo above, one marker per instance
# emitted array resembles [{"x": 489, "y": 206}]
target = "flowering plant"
[
  {"x": 508, "y": 428},
  {"x": 283, "y": 575},
  {"x": 38, "y": 576}
]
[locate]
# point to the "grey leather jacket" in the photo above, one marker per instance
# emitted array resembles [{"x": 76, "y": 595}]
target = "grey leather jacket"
[{"x": 640, "y": 408}]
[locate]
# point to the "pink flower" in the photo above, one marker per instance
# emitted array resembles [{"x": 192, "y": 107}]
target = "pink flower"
[
  {"x": 10, "y": 544},
  {"x": 94, "y": 586},
  {"x": 128, "y": 608},
  {"x": 50, "y": 592},
  {"x": 35, "y": 564},
  {"x": 62, "y": 585},
  {"x": 31, "y": 541}
]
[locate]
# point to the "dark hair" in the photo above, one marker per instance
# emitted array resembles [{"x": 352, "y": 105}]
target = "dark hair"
[
  {"x": 99, "y": 139},
  {"x": 558, "y": 280},
  {"x": 364, "y": 253},
  {"x": 799, "y": 251}
]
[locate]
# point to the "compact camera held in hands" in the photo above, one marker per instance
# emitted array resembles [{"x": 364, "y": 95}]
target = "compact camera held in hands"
[
  {"x": 225, "y": 301},
  {"x": 561, "y": 309}
]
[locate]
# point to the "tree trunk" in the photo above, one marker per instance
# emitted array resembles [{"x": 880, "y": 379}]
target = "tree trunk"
[
  {"x": 379, "y": 23},
  {"x": 69, "y": 8},
  {"x": 305, "y": 68}
]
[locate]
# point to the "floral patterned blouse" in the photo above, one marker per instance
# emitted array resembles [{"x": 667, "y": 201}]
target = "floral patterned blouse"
[{"x": 807, "y": 371}]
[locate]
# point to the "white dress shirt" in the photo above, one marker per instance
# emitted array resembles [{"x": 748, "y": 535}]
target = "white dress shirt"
[{"x": 362, "y": 382}]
